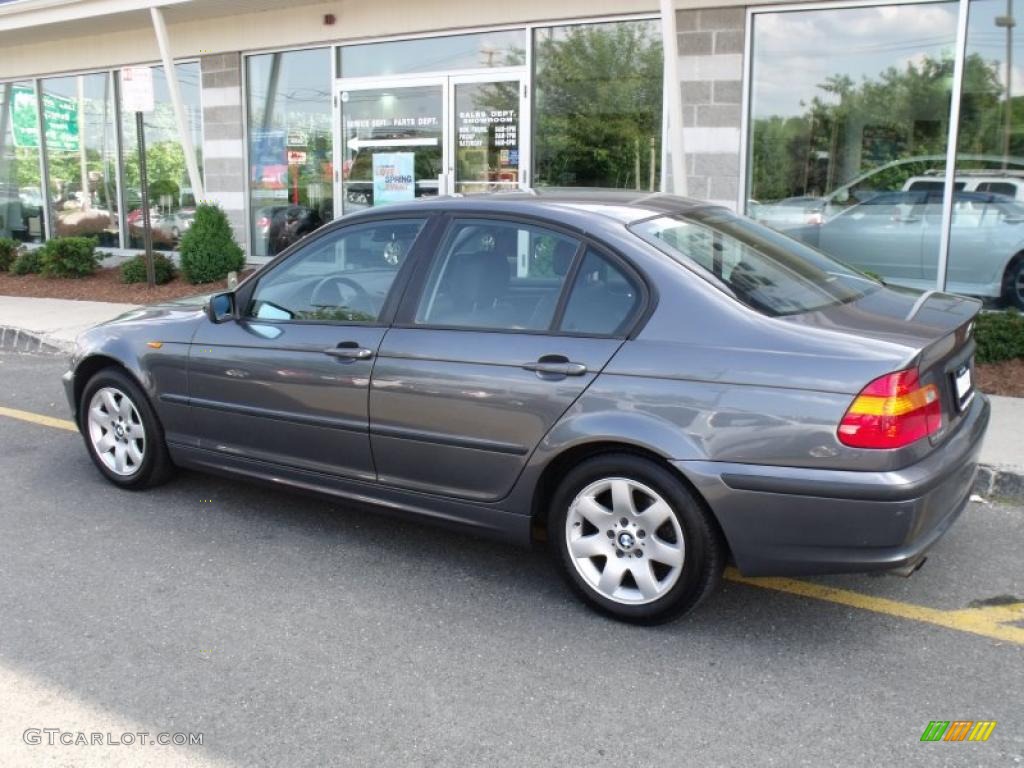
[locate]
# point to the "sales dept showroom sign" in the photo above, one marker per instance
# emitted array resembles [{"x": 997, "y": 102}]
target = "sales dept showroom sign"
[{"x": 60, "y": 115}]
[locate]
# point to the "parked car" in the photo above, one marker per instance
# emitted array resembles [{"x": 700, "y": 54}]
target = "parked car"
[
  {"x": 1009, "y": 183},
  {"x": 655, "y": 386},
  {"x": 896, "y": 235}
]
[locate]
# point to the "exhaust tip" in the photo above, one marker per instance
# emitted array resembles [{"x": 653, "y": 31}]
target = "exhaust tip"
[{"x": 908, "y": 569}]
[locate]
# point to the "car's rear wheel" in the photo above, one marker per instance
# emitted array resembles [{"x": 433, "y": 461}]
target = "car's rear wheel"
[
  {"x": 122, "y": 433},
  {"x": 633, "y": 540},
  {"x": 1013, "y": 284}
]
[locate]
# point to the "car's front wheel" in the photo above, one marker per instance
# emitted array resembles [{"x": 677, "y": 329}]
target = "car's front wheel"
[
  {"x": 633, "y": 540},
  {"x": 122, "y": 433}
]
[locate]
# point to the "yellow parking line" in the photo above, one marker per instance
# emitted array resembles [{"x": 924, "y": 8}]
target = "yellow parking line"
[
  {"x": 995, "y": 622},
  {"x": 38, "y": 418},
  {"x": 992, "y": 622}
]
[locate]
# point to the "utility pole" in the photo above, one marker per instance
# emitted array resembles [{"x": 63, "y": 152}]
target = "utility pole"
[{"x": 1008, "y": 22}]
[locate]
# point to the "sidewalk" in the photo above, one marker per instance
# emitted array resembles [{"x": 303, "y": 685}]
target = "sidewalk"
[{"x": 51, "y": 325}]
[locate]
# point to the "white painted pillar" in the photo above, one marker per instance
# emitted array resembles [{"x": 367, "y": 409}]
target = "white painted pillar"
[
  {"x": 195, "y": 179},
  {"x": 672, "y": 106}
]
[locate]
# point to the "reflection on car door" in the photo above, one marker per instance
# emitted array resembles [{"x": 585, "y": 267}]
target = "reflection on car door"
[
  {"x": 473, "y": 377},
  {"x": 287, "y": 382}
]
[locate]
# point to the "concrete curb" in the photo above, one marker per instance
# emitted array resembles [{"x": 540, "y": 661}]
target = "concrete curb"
[
  {"x": 999, "y": 483},
  {"x": 992, "y": 482},
  {"x": 19, "y": 340}
]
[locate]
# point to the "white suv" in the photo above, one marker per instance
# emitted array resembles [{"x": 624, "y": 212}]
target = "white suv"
[{"x": 1007, "y": 183}]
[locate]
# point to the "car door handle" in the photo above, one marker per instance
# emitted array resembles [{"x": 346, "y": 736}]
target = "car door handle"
[
  {"x": 349, "y": 350},
  {"x": 557, "y": 367}
]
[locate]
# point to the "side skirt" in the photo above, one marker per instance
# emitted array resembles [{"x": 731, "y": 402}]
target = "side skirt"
[{"x": 480, "y": 519}]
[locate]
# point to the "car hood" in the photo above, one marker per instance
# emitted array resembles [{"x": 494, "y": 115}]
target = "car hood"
[{"x": 168, "y": 322}]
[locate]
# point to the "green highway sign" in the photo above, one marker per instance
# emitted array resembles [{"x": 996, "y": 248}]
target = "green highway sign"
[{"x": 59, "y": 114}]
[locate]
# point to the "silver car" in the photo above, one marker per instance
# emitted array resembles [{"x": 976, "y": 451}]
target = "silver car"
[
  {"x": 654, "y": 386},
  {"x": 896, "y": 235}
]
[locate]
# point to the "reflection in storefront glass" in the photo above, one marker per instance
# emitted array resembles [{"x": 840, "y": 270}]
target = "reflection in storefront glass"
[
  {"x": 290, "y": 145},
  {"x": 498, "y": 48},
  {"x": 598, "y": 97},
  {"x": 986, "y": 250},
  {"x": 849, "y": 124},
  {"x": 487, "y": 136},
  {"x": 21, "y": 193},
  {"x": 172, "y": 203},
  {"x": 391, "y": 144},
  {"x": 79, "y": 114}
]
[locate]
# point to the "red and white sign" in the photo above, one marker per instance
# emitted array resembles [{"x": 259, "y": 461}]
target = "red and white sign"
[
  {"x": 137, "y": 89},
  {"x": 295, "y": 157}
]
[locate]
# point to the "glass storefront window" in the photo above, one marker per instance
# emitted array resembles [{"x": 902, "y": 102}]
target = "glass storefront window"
[
  {"x": 79, "y": 114},
  {"x": 598, "y": 105},
  {"x": 21, "y": 192},
  {"x": 849, "y": 123},
  {"x": 171, "y": 200},
  {"x": 290, "y": 144},
  {"x": 986, "y": 245},
  {"x": 503, "y": 48}
]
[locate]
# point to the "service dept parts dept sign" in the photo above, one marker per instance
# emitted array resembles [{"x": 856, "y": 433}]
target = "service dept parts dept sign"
[
  {"x": 394, "y": 177},
  {"x": 137, "y": 89}
]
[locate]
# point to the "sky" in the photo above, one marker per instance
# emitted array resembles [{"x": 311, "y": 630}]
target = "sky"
[{"x": 794, "y": 51}]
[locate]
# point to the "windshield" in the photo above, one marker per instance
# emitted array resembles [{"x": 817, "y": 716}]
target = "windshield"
[{"x": 761, "y": 268}]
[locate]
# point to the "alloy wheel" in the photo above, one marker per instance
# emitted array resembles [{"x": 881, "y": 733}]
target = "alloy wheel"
[
  {"x": 116, "y": 431},
  {"x": 625, "y": 541}
]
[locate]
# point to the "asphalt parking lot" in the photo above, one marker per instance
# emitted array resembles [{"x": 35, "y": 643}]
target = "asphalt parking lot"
[{"x": 292, "y": 631}]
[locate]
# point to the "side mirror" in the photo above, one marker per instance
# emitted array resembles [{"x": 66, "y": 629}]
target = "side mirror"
[{"x": 221, "y": 307}]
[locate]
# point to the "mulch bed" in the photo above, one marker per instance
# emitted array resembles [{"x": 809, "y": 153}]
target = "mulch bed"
[
  {"x": 1003, "y": 378},
  {"x": 105, "y": 285}
]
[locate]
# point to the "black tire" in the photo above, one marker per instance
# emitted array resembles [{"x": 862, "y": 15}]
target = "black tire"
[
  {"x": 156, "y": 467},
  {"x": 705, "y": 552},
  {"x": 1013, "y": 283}
]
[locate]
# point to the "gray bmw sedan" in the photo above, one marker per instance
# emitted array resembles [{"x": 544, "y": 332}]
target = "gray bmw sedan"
[{"x": 654, "y": 386}]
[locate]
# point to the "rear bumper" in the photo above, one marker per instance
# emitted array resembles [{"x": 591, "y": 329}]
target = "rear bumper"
[{"x": 790, "y": 521}]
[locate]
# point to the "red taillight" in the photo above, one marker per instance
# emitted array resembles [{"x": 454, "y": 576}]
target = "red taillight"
[{"x": 892, "y": 411}]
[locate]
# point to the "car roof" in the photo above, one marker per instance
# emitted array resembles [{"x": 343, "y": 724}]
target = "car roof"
[{"x": 618, "y": 205}]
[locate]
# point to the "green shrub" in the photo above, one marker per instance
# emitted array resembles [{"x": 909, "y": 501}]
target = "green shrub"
[
  {"x": 1000, "y": 336},
  {"x": 69, "y": 257},
  {"x": 27, "y": 262},
  {"x": 8, "y": 252},
  {"x": 208, "y": 248},
  {"x": 134, "y": 271}
]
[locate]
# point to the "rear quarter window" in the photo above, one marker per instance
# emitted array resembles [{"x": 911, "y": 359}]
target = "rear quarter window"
[{"x": 759, "y": 267}]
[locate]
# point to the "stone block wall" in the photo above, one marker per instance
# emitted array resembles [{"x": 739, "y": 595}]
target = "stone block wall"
[
  {"x": 223, "y": 138},
  {"x": 711, "y": 75}
]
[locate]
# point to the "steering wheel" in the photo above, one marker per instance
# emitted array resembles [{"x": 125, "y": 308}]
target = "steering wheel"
[{"x": 337, "y": 281}]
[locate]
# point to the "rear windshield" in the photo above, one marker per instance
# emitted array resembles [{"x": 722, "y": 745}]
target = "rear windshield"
[{"x": 769, "y": 272}]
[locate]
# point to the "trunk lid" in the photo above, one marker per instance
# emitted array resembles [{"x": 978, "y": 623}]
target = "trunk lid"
[{"x": 936, "y": 328}]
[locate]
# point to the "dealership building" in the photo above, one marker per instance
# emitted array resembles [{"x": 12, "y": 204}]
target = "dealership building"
[{"x": 840, "y": 122}]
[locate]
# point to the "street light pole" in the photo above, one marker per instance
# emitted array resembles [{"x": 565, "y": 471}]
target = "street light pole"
[{"x": 1009, "y": 23}]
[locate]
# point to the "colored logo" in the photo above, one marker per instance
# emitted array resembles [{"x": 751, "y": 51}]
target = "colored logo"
[{"x": 958, "y": 730}]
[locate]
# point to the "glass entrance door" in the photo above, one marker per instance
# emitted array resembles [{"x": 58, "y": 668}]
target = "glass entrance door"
[
  {"x": 406, "y": 138},
  {"x": 392, "y": 143},
  {"x": 487, "y": 117}
]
